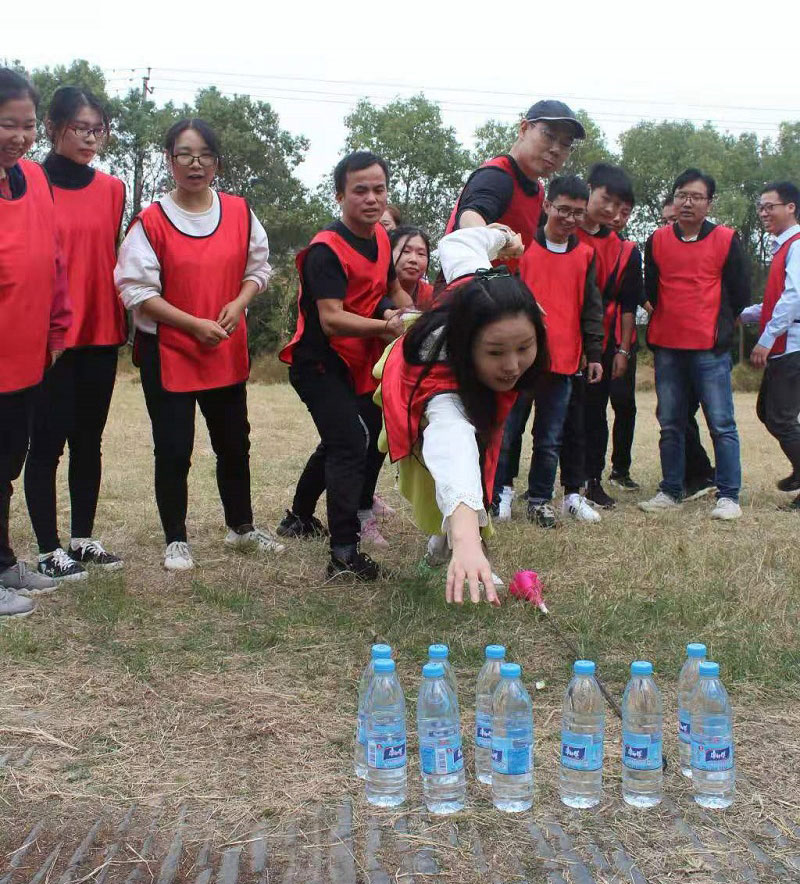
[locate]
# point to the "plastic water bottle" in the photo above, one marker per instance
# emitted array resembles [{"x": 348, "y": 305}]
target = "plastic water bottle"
[
  {"x": 379, "y": 652},
  {"x": 488, "y": 679},
  {"x": 440, "y": 654},
  {"x": 687, "y": 681},
  {"x": 512, "y": 742},
  {"x": 713, "y": 764},
  {"x": 385, "y": 710},
  {"x": 642, "y": 735},
  {"x": 440, "y": 752},
  {"x": 580, "y": 781}
]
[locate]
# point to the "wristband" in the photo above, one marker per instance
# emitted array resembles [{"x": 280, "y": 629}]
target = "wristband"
[{"x": 625, "y": 353}]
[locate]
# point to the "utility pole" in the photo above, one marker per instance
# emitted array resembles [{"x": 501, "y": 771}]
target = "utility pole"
[{"x": 139, "y": 147}]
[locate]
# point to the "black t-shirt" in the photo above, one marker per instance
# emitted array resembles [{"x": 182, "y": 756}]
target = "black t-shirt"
[
  {"x": 16, "y": 182},
  {"x": 488, "y": 191}
]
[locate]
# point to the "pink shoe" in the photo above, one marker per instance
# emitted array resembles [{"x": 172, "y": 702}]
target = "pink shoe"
[
  {"x": 381, "y": 508},
  {"x": 371, "y": 534}
]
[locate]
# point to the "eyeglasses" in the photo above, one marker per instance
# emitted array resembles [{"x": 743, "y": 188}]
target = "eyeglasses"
[
  {"x": 766, "y": 208},
  {"x": 552, "y": 138},
  {"x": 82, "y": 132},
  {"x": 206, "y": 160},
  {"x": 565, "y": 212},
  {"x": 682, "y": 197}
]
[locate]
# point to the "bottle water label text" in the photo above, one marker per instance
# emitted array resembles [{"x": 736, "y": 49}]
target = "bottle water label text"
[
  {"x": 483, "y": 730},
  {"x": 581, "y": 751},
  {"x": 641, "y": 751},
  {"x": 512, "y": 755}
]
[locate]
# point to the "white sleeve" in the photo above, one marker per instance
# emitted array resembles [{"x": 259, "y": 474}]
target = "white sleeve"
[
  {"x": 450, "y": 452},
  {"x": 138, "y": 273},
  {"x": 258, "y": 268},
  {"x": 751, "y": 314},
  {"x": 469, "y": 249}
]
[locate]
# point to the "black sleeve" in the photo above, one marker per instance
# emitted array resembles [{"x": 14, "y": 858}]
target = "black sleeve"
[
  {"x": 592, "y": 317},
  {"x": 323, "y": 275},
  {"x": 385, "y": 303},
  {"x": 630, "y": 291},
  {"x": 736, "y": 277},
  {"x": 650, "y": 273},
  {"x": 488, "y": 192},
  {"x": 391, "y": 276}
]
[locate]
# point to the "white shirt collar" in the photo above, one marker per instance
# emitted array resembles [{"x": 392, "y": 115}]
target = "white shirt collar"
[{"x": 787, "y": 234}]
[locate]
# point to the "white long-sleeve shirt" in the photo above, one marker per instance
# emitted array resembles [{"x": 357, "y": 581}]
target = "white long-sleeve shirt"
[{"x": 138, "y": 273}]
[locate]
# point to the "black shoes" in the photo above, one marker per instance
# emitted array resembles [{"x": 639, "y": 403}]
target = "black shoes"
[
  {"x": 293, "y": 526},
  {"x": 623, "y": 481},
  {"x": 596, "y": 493},
  {"x": 352, "y": 562},
  {"x": 91, "y": 552},
  {"x": 699, "y": 487},
  {"x": 790, "y": 483}
]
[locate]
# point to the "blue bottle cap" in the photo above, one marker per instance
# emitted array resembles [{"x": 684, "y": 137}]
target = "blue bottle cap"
[
  {"x": 433, "y": 670},
  {"x": 438, "y": 652},
  {"x": 583, "y": 667},
  {"x": 709, "y": 669},
  {"x": 495, "y": 652},
  {"x": 382, "y": 665},
  {"x": 641, "y": 667},
  {"x": 695, "y": 649},
  {"x": 381, "y": 651},
  {"x": 510, "y": 670}
]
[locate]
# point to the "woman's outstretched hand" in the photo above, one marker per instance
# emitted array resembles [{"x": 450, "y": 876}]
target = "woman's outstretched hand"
[{"x": 468, "y": 563}]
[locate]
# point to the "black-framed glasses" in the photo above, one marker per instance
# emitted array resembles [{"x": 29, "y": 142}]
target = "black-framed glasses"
[
  {"x": 566, "y": 212},
  {"x": 766, "y": 208},
  {"x": 206, "y": 160},
  {"x": 84, "y": 132},
  {"x": 683, "y": 197}
]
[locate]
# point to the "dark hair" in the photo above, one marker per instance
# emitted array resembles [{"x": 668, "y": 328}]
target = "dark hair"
[
  {"x": 202, "y": 128},
  {"x": 615, "y": 179},
  {"x": 787, "y": 191},
  {"x": 668, "y": 201},
  {"x": 14, "y": 86},
  {"x": 407, "y": 232},
  {"x": 66, "y": 102},
  {"x": 572, "y": 186},
  {"x": 396, "y": 215},
  {"x": 695, "y": 175},
  {"x": 355, "y": 162},
  {"x": 448, "y": 333}
]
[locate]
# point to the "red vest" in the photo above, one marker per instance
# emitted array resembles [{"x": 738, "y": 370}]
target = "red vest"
[
  {"x": 689, "y": 288},
  {"x": 424, "y": 295},
  {"x": 558, "y": 282},
  {"x": 611, "y": 258},
  {"x": 88, "y": 222},
  {"x": 200, "y": 274},
  {"x": 27, "y": 278},
  {"x": 776, "y": 283},
  {"x": 407, "y": 389},
  {"x": 366, "y": 285},
  {"x": 522, "y": 214}
]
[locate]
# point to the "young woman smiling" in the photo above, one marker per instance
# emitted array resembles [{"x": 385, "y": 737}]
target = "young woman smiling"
[{"x": 411, "y": 253}]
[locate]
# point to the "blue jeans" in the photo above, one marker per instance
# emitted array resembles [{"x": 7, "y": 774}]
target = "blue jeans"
[
  {"x": 551, "y": 399},
  {"x": 709, "y": 374}
]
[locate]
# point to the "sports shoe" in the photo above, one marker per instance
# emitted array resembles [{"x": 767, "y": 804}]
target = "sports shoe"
[
  {"x": 504, "y": 506},
  {"x": 177, "y": 556},
  {"x": 438, "y": 551},
  {"x": 790, "y": 483},
  {"x": 596, "y": 493},
  {"x": 542, "y": 514},
  {"x": 381, "y": 508},
  {"x": 577, "y": 506},
  {"x": 659, "y": 503},
  {"x": 697, "y": 488},
  {"x": 623, "y": 481},
  {"x": 60, "y": 566},
  {"x": 301, "y": 529},
  {"x": 726, "y": 509},
  {"x": 370, "y": 533},
  {"x": 791, "y": 507},
  {"x": 356, "y": 564},
  {"x": 14, "y": 605},
  {"x": 90, "y": 552},
  {"x": 253, "y": 537},
  {"x": 23, "y": 581}
]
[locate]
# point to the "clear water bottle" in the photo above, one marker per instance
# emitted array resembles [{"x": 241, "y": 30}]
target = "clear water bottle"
[
  {"x": 488, "y": 679},
  {"x": 580, "y": 781},
  {"x": 385, "y": 711},
  {"x": 687, "y": 681},
  {"x": 440, "y": 654},
  {"x": 713, "y": 765},
  {"x": 379, "y": 652},
  {"x": 642, "y": 736},
  {"x": 512, "y": 742},
  {"x": 441, "y": 755}
]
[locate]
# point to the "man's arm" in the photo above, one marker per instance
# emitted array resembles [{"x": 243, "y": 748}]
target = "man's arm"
[
  {"x": 736, "y": 277},
  {"x": 650, "y": 276},
  {"x": 786, "y": 311},
  {"x": 485, "y": 198},
  {"x": 592, "y": 324}
]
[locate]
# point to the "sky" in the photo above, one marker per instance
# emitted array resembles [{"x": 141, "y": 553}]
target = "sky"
[{"x": 621, "y": 61}]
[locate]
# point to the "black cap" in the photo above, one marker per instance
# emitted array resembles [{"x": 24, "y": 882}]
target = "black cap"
[{"x": 550, "y": 109}]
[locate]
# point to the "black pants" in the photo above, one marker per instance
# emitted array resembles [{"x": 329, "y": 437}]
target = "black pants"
[
  {"x": 172, "y": 418},
  {"x": 573, "y": 445},
  {"x": 621, "y": 392},
  {"x": 71, "y": 407},
  {"x": 698, "y": 466},
  {"x": 16, "y": 410},
  {"x": 346, "y": 462},
  {"x": 778, "y": 406}
]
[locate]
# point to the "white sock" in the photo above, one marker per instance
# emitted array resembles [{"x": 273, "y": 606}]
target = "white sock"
[
  {"x": 75, "y": 542},
  {"x": 365, "y": 515},
  {"x": 43, "y": 556}
]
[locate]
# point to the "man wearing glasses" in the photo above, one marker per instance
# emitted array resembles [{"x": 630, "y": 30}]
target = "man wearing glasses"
[{"x": 698, "y": 283}]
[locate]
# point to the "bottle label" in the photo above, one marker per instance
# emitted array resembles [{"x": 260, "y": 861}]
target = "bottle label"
[
  {"x": 512, "y": 755},
  {"x": 582, "y": 751},
  {"x": 441, "y": 754},
  {"x": 361, "y": 729},
  {"x": 684, "y": 725},
  {"x": 386, "y": 755},
  {"x": 483, "y": 730},
  {"x": 641, "y": 751},
  {"x": 713, "y": 753}
]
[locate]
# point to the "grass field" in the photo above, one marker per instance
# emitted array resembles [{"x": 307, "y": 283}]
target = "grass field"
[{"x": 234, "y": 686}]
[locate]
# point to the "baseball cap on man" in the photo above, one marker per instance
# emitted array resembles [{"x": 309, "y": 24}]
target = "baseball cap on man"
[{"x": 550, "y": 109}]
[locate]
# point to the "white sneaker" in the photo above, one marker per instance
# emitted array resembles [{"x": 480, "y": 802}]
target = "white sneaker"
[
  {"x": 13, "y": 605},
  {"x": 726, "y": 509},
  {"x": 438, "y": 552},
  {"x": 579, "y": 508},
  {"x": 177, "y": 557},
  {"x": 257, "y": 537},
  {"x": 659, "y": 503},
  {"x": 504, "y": 506}
]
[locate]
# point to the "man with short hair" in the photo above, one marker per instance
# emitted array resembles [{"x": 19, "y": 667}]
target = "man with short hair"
[{"x": 698, "y": 283}]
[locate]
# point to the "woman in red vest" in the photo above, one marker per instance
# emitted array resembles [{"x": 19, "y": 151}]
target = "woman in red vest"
[
  {"x": 189, "y": 266},
  {"x": 411, "y": 253},
  {"x": 34, "y": 313},
  {"x": 74, "y": 398}
]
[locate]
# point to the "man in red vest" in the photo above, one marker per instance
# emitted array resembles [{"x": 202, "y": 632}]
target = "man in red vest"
[
  {"x": 778, "y": 348},
  {"x": 697, "y": 280}
]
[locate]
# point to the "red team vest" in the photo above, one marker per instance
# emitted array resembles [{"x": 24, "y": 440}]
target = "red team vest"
[
  {"x": 522, "y": 214},
  {"x": 88, "y": 221},
  {"x": 776, "y": 283},
  {"x": 689, "y": 288},
  {"x": 611, "y": 260},
  {"x": 424, "y": 295},
  {"x": 200, "y": 274},
  {"x": 366, "y": 285},
  {"x": 558, "y": 282},
  {"x": 27, "y": 278}
]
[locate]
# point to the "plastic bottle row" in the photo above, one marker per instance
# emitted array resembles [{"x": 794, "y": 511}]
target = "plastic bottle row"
[{"x": 504, "y": 734}]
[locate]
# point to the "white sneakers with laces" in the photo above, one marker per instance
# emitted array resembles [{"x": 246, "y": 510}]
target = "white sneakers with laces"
[
  {"x": 257, "y": 537},
  {"x": 659, "y": 503},
  {"x": 504, "y": 505},
  {"x": 177, "y": 556},
  {"x": 579, "y": 508},
  {"x": 726, "y": 509}
]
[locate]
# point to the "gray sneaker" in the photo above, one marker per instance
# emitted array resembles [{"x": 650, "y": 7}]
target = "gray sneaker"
[
  {"x": 13, "y": 605},
  {"x": 25, "y": 582}
]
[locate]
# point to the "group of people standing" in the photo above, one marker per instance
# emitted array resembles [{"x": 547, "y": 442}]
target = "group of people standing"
[{"x": 534, "y": 310}]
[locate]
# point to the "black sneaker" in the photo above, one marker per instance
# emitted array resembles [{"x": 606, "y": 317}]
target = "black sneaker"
[
  {"x": 792, "y": 507},
  {"x": 623, "y": 481},
  {"x": 356, "y": 564},
  {"x": 293, "y": 526},
  {"x": 59, "y": 566},
  {"x": 696, "y": 488},
  {"x": 596, "y": 493},
  {"x": 542, "y": 514},
  {"x": 91, "y": 552},
  {"x": 790, "y": 483}
]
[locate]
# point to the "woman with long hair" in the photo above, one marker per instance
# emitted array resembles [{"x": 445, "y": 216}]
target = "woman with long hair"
[{"x": 411, "y": 252}]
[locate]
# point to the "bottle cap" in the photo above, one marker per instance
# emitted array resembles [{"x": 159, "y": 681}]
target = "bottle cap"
[
  {"x": 433, "y": 670},
  {"x": 695, "y": 649},
  {"x": 382, "y": 665},
  {"x": 583, "y": 667},
  {"x": 510, "y": 670},
  {"x": 709, "y": 669},
  {"x": 495, "y": 652},
  {"x": 381, "y": 651},
  {"x": 438, "y": 652},
  {"x": 641, "y": 667}
]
